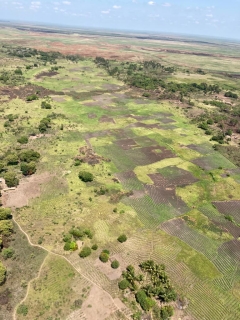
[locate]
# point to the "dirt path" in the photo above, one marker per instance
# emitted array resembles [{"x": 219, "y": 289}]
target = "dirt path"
[
  {"x": 58, "y": 255},
  {"x": 28, "y": 287}
]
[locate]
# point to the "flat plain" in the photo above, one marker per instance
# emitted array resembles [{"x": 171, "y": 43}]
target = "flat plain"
[{"x": 157, "y": 177}]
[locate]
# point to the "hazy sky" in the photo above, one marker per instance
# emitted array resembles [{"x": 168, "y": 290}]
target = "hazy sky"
[{"x": 203, "y": 17}]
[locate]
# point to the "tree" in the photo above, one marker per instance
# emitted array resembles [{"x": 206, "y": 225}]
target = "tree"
[
  {"x": 95, "y": 247},
  {"x": 5, "y": 214},
  {"x": 85, "y": 252},
  {"x": 3, "y": 272},
  {"x": 28, "y": 168},
  {"x": 6, "y": 227},
  {"x": 8, "y": 253},
  {"x": 166, "y": 312},
  {"x": 145, "y": 302},
  {"x": 85, "y": 176},
  {"x": 32, "y": 97},
  {"x": 46, "y": 105},
  {"x": 123, "y": 284},
  {"x": 29, "y": 156},
  {"x": 115, "y": 264},
  {"x": 122, "y": 238},
  {"x": 11, "y": 179},
  {"x": 12, "y": 159},
  {"x": 104, "y": 257},
  {"x": 23, "y": 140}
]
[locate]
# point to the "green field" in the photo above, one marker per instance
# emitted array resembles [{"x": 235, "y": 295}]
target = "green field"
[{"x": 155, "y": 176}]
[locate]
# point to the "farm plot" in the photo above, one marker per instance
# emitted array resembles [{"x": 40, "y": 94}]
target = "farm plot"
[
  {"x": 214, "y": 161},
  {"x": 229, "y": 208}
]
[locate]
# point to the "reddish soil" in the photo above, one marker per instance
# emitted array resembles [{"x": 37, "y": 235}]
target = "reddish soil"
[
  {"x": 23, "y": 91},
  {"x": 105, "y": 118},
  {"x": 228, "y": 227},
  {"x": 46, "y": 74},
  {"x": 29, "y": 188},
  {"x": 231, "y": 208},
  {"x": 157, "y": 153},
  {"x": 183, "y": 178}
]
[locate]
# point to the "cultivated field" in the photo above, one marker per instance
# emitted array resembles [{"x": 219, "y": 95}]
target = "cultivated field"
[{"x": 156, "y": 177}]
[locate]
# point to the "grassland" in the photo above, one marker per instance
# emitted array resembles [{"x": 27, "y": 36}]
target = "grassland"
[{"x": 159, "y": 172}]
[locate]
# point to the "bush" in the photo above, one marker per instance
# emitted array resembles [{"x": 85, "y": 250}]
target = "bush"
[
  {"x": 32, "y": 97},
  {"x": 8, "y": 253},
  {"x": 145, "y": 302},
  {"x": 122, "y": 238},
  {"x": 124, "y": 284},
  {"x": 115, "y": 264},
  {"x": 95, "y": 247},
  {"x": 23, "y": 140},
  {"x": 6, "y": 227},
  {"x": 85, "y": 176},
  {"x": 85, "y": 252},
  {"x": 104, "y": 257},
  {"x": 18, "y": 71},
  {"x": 231, "y": 95},
  {"x": 46, "y": 105},
  {"x": 28, "y": 168},
  {"x": 166, "y": 312},
  {"x": 3, "y": 272},
  {"x": 106, "y": 251},
  {"x": 5, "y": 214},
  {"x": 70, "y": 246},
  {"x": 29, "y": 156},
  {"x": 11, "y": 179},
  {"x": 12, "y": 159}
]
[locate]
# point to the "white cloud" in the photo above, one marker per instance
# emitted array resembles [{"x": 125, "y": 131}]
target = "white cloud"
[
  {"x": 167, "y": 4},
  {"x": 116, "y": 7},
  {"x": 151, "y": 3},
  {"x": 105, "y": 12},
  {"x": 66, "y": 2},
  {"x": 209, "y": 15},
  {"x": 35, "y": 5}
]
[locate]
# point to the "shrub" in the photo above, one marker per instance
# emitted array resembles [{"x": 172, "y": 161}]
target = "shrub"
[
  {"x": 11, "y": 179},
  {"x": 115, "y": 264},
  {"x": 231, "y": 95},
  {"x": 124, "y": 284},
  {"x": 28, "y": 168},
  {"x": 70, "y": 246},
  {"x": 85, "y": 252},
  {"x": 12, "y": 159},
  {"x": 106, "y": 251},
  {"x": 145, "y": 302},
  {"x": 3, "y": 272},
  {"x": 104, "y": 257},
  {"x": 32, "y": 97},
  {"x": 122, "y": 238},
  {"x": 5, "y": 214},
  {"x": 85, "y": 176},
  {"x": 46, "y": 105},
  {"x": 95, "y": 247},
  {"x": 8, "y": 253},
  {"x": 6, "y": 227},
  {"x": 29, "y": 156},
  {"x": 166, "y": 312},
  {"x": 23, "y": 140},
  {"x": 18, "y": 71}
]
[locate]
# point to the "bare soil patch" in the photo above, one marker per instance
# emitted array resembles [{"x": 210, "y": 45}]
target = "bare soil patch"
[
  {"x": 58, "y": 99},
  {"x": 22, "y": 92},
  {"x": 112, "y": 274},
  {"x": 98, "y": 305},
  {"x": 228, "y": 227},
  {"x": 92, "y": 116},
  {"x": 232, "y": 249},
  {"x": 229, "y": 208},
  {"x": 46, "y": 74},
  {"x": 29, "y": 188},
  {"x": 105, "y": 118},
  {"x": 157, "y": 153},
  {"x": 87, "y": 155}
]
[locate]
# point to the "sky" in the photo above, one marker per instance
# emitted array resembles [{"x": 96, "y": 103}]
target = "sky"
[{"x": 217, "y": 18}]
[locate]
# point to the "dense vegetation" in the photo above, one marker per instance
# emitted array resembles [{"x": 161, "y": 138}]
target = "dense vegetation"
[{"x": 150, "y": 287}]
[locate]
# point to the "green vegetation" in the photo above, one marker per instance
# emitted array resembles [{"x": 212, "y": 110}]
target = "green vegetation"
[
  {"x": 122, "y": 238},
  {"x": 104, "y": 256},
  {"x": 115, "y": 264},
  {"x": 85, "y": 176},
  {"x": 85, "y": 252},
  {"x": 3, "y": 272}
]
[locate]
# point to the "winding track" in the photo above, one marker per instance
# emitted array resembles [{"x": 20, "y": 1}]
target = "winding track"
[{"x": 39, "y": 272}]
